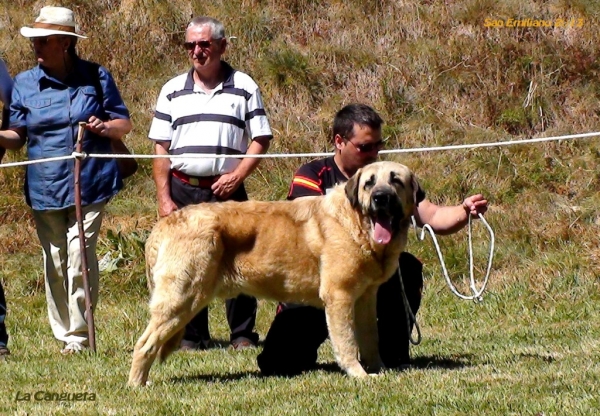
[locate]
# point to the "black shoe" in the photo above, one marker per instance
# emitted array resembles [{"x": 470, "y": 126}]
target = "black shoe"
[
  {"x": 397, "y": 364},
  {"x": 291, "y": 363}
]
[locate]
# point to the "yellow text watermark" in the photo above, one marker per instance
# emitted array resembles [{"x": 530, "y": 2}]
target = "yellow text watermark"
[{"x": 528, "y": 22}]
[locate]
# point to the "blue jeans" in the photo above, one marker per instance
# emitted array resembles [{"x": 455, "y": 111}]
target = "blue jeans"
[{"x": 3, "y": 333}]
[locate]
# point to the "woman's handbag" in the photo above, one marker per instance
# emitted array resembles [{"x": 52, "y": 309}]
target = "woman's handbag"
[{"x": 127, "y": 166}]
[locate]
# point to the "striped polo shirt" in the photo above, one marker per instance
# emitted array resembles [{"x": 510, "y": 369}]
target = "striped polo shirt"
[{"x": 220, "y": 122}]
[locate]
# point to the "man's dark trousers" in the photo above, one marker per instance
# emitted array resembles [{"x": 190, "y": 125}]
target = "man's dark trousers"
[
  {"x": 3, "y": 333},
  {"x": 241, "y": 311}
]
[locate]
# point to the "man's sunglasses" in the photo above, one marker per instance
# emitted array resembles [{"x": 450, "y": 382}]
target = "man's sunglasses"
[
  {"x": 202, "y": 44},
  {"x": 368, "y": 147}
]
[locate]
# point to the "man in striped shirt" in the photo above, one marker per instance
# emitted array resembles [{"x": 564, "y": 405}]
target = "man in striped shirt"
[
  {"x": 297, "y": 332},
  {"x": 212, "y": 109}
]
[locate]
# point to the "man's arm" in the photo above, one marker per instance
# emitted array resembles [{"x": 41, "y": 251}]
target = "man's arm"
[
  {"x": 229, "y": 182},
  {"x": 448, "y": 220},
  {"x": 307, "y": 181},
  {"x": 161, "y": 172}
]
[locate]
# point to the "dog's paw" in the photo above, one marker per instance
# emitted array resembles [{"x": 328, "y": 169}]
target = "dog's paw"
[{"x": 357, "y": 372}]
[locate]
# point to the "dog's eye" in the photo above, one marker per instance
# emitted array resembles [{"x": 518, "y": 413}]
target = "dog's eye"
[
  {"x": 370, "y": 182},
  {"x": 395, "y": 179}
]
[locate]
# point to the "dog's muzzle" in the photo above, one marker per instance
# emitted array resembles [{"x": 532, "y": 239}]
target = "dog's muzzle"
[{"x": 383, "y": 209}]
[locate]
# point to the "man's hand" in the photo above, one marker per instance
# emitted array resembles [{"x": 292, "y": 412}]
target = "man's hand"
[
  {"x": 475, "y": 205},
  {"x": 226, "y": 185},
  {"x": 166, "y": 206}
]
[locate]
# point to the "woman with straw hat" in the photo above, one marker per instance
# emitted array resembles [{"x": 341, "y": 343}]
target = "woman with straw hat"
[{"x": 48, "y": 103}]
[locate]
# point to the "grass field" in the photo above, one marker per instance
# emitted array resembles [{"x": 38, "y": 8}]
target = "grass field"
[{"x": 438, "y": 76}]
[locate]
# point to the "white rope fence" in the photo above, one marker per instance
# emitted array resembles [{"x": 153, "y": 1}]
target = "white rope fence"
[
  {"x": 84, "y": 155},
  {"x": 477, "y": 293}
]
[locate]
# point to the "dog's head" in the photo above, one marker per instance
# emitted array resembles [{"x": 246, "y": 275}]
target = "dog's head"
[{"x": 386, "y": 193}]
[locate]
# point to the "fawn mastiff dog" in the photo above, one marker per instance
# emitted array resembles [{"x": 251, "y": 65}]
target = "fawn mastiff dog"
[{"x": 329, "y": 251}]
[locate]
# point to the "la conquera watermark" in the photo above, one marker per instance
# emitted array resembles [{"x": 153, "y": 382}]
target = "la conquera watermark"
[{"x": 52, "y": 396}]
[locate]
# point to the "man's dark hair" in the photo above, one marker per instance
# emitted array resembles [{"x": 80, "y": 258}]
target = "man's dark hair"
[{"x": 347, "y": 117}]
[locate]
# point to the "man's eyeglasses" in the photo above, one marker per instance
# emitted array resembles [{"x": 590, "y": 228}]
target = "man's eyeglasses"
[
  {"x": 202, "y": 44},
  {"x": 368, "y": 147}
]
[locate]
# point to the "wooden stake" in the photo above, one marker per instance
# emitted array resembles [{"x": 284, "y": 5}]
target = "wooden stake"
[{"x": 82, "y": 243}]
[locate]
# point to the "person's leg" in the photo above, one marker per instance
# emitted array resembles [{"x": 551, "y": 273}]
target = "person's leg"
[
  {"x": 241, "y": 316},
  {"x": 197, "y": 334},
  {"x": 293, "y": 341},
  {"x": 241, "y": 311},
  {"x": 51, "y": 227},
  {"x": 392, "y": 321},
  {"x": 92, "y": 216},
  {"x": 3, "y": 333}
]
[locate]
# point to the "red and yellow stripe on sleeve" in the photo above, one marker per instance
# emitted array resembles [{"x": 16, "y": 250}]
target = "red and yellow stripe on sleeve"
[{"x": 306, "y": 183}]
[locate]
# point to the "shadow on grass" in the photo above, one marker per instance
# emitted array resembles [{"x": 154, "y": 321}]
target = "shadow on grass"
[
  {"x": 421, "y": 362},
  {"x": 436, "y": 361},
  {"x": 223, "y": 378},
  {"x": 215, "y": 378}
]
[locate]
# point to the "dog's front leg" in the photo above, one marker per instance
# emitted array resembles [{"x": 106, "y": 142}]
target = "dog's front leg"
[
  {"x": 366, "y": 330},
  {"x": 339, "y": 310}
]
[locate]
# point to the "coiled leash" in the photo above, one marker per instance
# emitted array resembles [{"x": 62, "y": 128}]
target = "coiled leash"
[{"x": 477, "y": 295}]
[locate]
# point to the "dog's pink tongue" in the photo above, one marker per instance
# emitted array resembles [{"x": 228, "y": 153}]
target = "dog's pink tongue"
[{"x": 383, "y": 231}]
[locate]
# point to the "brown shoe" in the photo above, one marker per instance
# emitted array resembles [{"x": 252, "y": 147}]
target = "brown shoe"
[
  {"x": 242, "y": 343},
  {"x": 186, "y": 345},
  {"x": 4, "y": 352}
]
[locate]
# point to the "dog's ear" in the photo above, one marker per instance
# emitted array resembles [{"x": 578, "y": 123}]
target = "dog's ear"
[
  {"x": 352, "y": 189},
  {"x": 418, "y": 192}
]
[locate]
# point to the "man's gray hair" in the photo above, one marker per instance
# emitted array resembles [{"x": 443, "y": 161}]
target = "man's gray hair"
[{"x": 216, "y": 28}]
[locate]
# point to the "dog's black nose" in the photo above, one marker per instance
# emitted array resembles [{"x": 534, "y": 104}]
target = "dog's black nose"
[{"x": 381, "y": 198}]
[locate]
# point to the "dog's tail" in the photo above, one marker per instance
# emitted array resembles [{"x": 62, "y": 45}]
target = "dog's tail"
[
  {"x": 151, "y": 257},
  {"x": 170, "y": 346},
  {"x": 149, "y": 278}
]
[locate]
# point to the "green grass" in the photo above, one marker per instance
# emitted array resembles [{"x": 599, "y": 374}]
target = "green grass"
[
  {"x": 438, "y": 77},
  {"x": 519, "y": 352}
]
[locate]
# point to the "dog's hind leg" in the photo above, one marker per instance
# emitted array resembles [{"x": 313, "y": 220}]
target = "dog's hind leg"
[
  {"x": 366, "y": 330},
  {"x": 172, "y": 306},
  {"x": 339, "y": 310},
  {"x": 161, "y": 337},
  {"x": 171, "y": 345},
  {"x": 163, "y": 326}
]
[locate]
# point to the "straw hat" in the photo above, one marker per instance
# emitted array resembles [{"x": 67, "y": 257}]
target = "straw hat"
[{"x": 52, "y": 21}]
